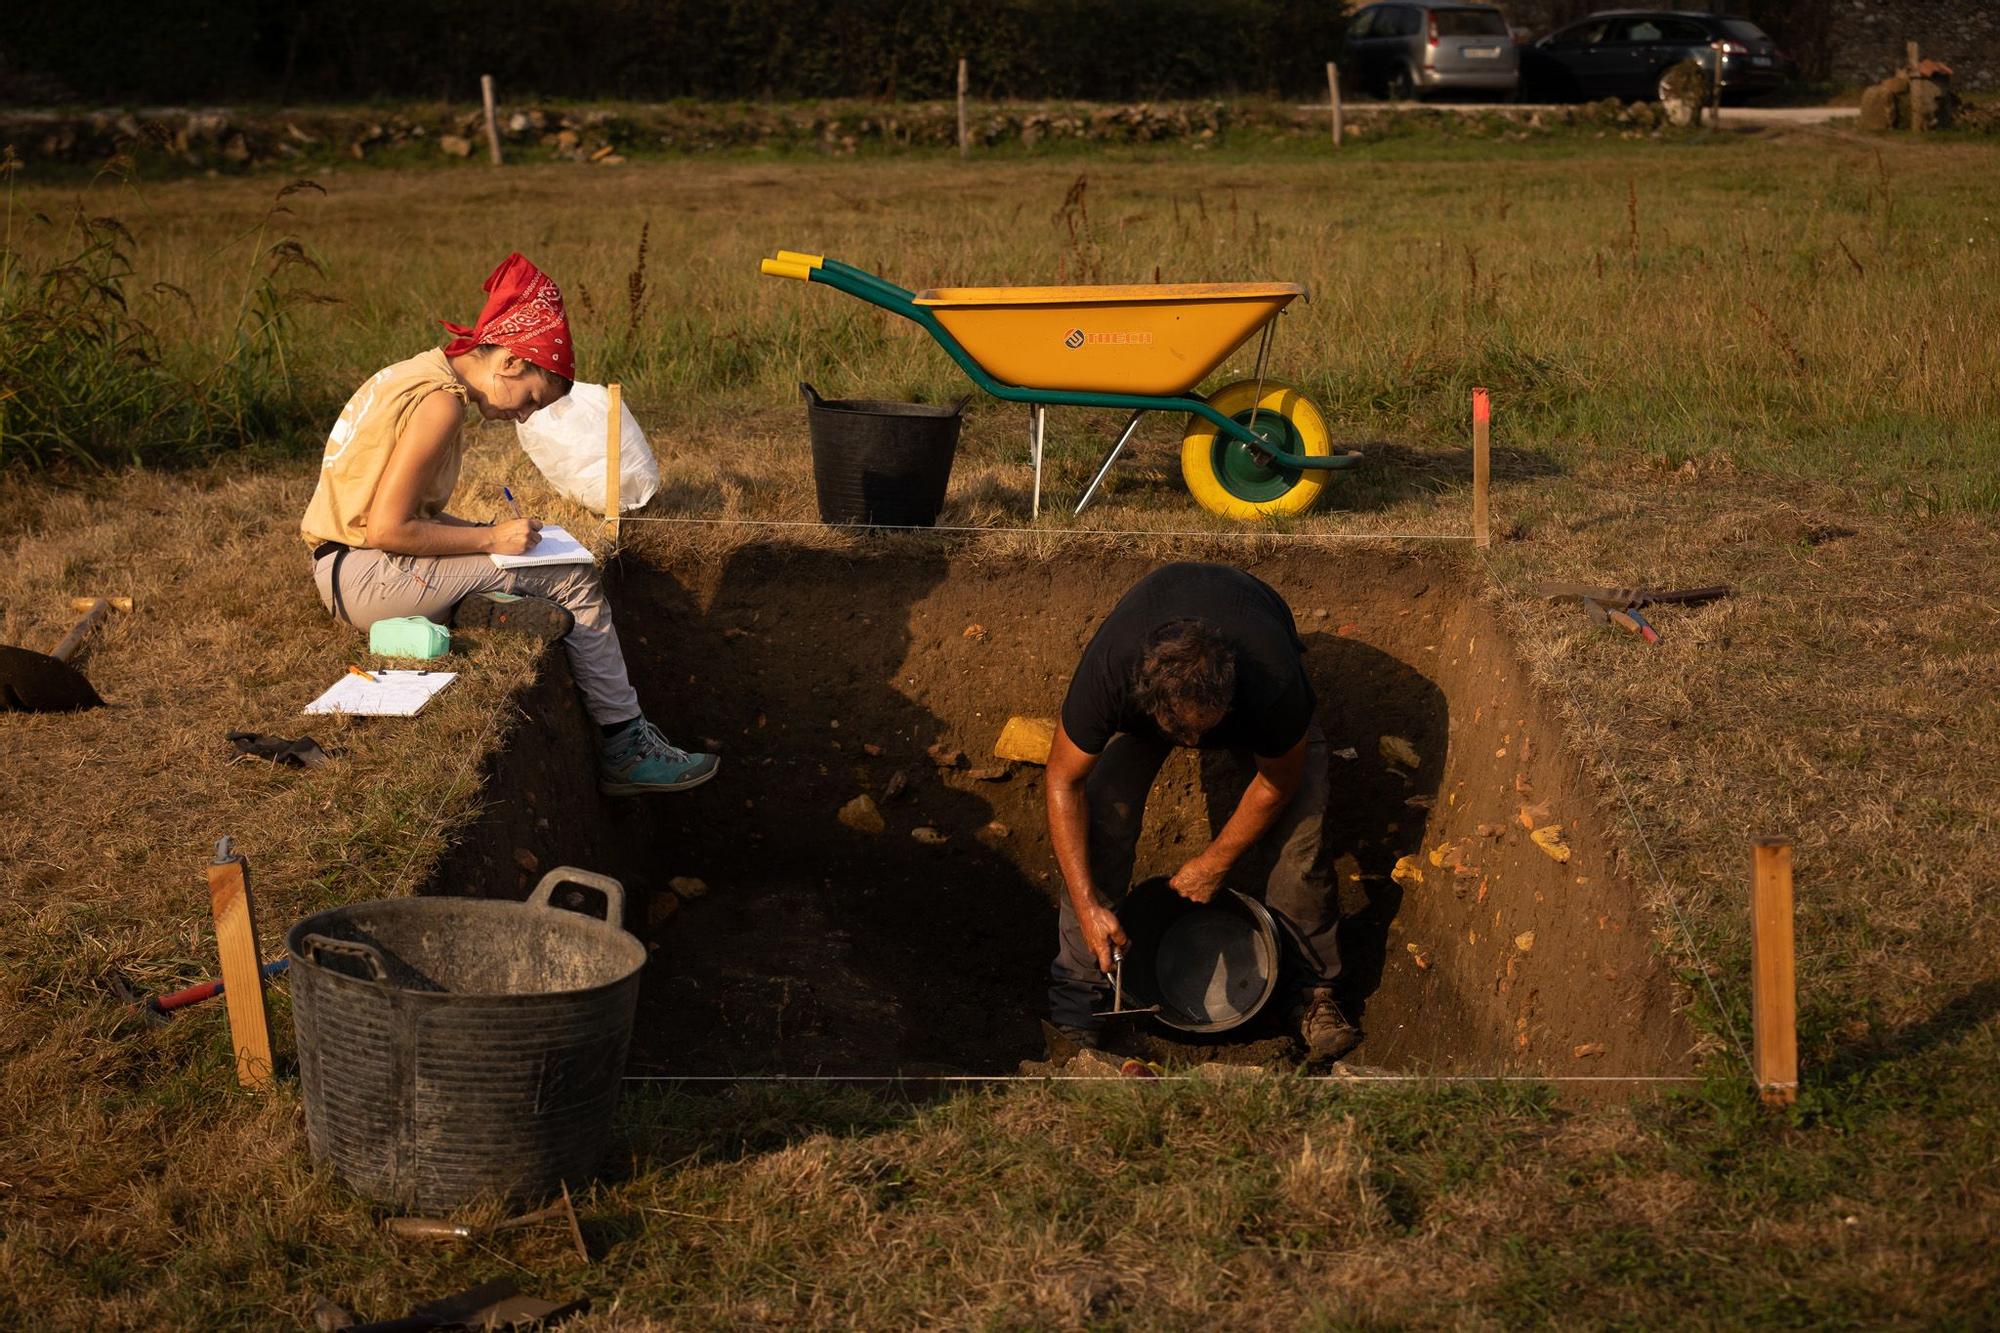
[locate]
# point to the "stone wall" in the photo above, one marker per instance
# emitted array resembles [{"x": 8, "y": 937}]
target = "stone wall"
[{"x": 1868, "y": 37}]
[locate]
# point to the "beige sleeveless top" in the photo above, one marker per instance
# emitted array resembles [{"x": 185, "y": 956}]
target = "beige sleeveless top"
[{"x": 358, "y": 449}]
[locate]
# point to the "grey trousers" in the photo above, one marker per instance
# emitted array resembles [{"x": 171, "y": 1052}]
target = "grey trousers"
[
  {"x": 375, "y": 585},
  {"x": 1299, "y": 890}
]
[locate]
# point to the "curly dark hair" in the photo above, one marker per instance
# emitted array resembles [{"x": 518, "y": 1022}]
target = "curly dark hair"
[{"x": 1187, "y": 670}]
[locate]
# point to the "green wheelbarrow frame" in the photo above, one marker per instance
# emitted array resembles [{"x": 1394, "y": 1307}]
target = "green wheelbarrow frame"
[{"x": 880, "y": 292}]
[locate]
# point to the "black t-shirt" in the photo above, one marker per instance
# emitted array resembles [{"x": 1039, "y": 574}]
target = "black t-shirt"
[{"x": 1274, "y": 701}]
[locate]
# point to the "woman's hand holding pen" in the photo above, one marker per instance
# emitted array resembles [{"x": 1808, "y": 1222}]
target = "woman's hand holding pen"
[{"x": 515, "y": 536}]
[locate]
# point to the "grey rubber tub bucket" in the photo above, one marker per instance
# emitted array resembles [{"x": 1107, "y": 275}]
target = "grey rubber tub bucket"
[
  {"x": 880, "y": 462},
  {"x": 1209, "y": 967},
  {"x": 453, "y": 1049}
]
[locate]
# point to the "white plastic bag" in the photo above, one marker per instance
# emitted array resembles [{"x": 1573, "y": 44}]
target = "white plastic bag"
[{"x": 567, "y": 442}]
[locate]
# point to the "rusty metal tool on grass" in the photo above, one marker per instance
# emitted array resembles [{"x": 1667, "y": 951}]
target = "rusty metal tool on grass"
[
  {"x": 443, "y": 1228},
  {"x": 32, "y": 682},
  {"x": 1631, "y": 599}
]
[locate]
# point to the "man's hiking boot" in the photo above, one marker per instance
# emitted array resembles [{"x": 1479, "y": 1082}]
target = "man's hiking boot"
[
  {"x": 536, "y": 617},
  {"x": 1323, "y": 1028},
  {"x": 639, "y": 760}
]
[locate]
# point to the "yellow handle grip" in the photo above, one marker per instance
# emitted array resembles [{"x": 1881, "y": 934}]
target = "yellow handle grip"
[
  {"x": 779, "y": 268},
  {"x": 794, "y": 257}
]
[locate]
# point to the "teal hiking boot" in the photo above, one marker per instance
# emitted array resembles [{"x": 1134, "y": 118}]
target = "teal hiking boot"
[
  {"x": 536, "y": 617},
  {"x": 639, "y": 760}
]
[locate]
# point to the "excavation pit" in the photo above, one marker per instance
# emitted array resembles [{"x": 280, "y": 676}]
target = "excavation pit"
[{"x": 822, "y": 949}]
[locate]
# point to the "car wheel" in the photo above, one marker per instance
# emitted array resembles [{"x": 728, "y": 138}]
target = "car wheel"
[{"x": 1403, "y": 85}]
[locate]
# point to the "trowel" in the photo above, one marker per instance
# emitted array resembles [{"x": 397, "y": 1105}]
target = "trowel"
[{"x": 32, "y": 682}]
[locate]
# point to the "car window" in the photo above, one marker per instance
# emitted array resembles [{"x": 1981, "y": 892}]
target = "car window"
[
  {"x": 1635, "y": 30},
  {"x": 1401, "y": 21},
  {"x": 1364, "y": 24},
  {"x": 1587, "y": 33},
  {"x": 1682, "y": 30},
  {"x": 1744, "y": 30},
  {"x": 1469, "y": 23}
]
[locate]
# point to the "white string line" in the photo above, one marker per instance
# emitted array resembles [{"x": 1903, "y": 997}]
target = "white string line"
[
  {"x": 1222, "y": 535},
  {"x": 1687, "y": 933},
  {"x": 1156, "y": 1078}
]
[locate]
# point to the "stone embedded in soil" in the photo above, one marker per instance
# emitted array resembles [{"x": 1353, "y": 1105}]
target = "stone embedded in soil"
[
  {"x": 660, "y": 907},
  {"x": 1026, "y": 739},
  {"x": 1550, "y": 840},
  {"x": 995, "y": 831},
  {"x": 946, "y": 755},
  {"x": 929, "y": 836},
  {"x": 1396, "y": 750},
  {"x": 1407, "y": 872},
  {"x": 526, "y": 860},
  {"x": 687, "y": 886},
  {"x": 1525, "y": 941},
  {"x": 861, "y": 815},
  {"x": 897, "y": 786},
  {"x": 992, "y": 773}
]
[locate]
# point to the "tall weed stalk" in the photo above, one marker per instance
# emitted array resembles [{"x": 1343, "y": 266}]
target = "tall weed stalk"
[{"x": 86, "y": 379}]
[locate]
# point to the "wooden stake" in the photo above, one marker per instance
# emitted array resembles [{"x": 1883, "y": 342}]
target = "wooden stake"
[
  {"x": 492, "y": 122},
  {"x": 1482, "y": 466},
  {"x": 614, "y": 436},
  {"x": 964, "y": 143},
  {"x": 1333, "y": 95},
  {"x": 1774, "y": 1008},
  {"x": 1715, "y": 111},
  {"x": 242, "y": 969},
  {"x": 1910, "y": 60}
]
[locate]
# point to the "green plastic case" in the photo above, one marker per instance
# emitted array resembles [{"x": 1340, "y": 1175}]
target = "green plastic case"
[{"x": 408, "y": 636}]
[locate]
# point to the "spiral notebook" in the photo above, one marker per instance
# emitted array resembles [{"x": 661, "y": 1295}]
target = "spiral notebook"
[{"x": 556, "y": 547}]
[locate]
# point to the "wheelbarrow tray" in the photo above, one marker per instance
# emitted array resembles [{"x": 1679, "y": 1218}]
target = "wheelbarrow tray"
[{"x": 1154, "y": 339}]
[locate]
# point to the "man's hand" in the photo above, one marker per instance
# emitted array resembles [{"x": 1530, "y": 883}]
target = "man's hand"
[
  {"x": 1101, "y": 932},
  {"x": 516, "y": 536},
  {"x": 1199, "y": 880}
]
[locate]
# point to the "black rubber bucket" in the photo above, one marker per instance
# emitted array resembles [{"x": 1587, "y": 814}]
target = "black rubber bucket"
[
  {"x": 878, "y": 462},
  {"x": 1210, "y": 967},
  {"x": 452, "y": 1049}
]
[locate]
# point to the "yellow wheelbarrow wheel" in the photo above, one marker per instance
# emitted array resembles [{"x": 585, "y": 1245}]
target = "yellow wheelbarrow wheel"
[{"x": 1230, "y": 478}]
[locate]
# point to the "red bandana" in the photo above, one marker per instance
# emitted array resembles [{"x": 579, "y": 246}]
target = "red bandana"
[{"x": 524, "y": 314}]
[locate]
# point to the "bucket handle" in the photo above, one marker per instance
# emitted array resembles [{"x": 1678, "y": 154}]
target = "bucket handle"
[
  {"x": 811, "y": 394},
  {"x": 315, "y": 945},
  {"x": 613, "y": 891}
]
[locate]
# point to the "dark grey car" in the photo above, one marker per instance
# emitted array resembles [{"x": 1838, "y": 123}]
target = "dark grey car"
[
  {"x": 1410, "y": 50},
  {"x": 1626, "y": 53}
]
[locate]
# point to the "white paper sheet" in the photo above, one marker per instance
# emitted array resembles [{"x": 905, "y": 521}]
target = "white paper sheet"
[
  {"x": 390, "y": 694},
  {"x": 556, "y": 547}
]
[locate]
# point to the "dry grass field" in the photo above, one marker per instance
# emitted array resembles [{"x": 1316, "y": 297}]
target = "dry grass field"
[{"x": 1767, "y": 361}]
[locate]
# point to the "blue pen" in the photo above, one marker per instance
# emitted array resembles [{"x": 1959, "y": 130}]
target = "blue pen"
[{"x": 510, "y": 501}]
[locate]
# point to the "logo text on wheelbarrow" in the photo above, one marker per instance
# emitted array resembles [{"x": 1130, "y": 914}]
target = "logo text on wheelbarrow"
[{"x": 1077, "y": 338}]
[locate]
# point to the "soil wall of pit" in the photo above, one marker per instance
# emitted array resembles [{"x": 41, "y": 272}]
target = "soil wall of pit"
[{"x": 826, "y": 675}]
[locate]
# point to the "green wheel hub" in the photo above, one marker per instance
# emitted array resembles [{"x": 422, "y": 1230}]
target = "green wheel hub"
[{"x": 1246, "y": 476}]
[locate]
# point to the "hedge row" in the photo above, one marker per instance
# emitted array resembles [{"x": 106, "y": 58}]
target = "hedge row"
[{"x": 237, "y": 51}]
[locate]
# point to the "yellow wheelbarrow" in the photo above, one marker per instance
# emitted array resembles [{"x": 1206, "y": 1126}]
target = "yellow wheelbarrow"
[{"x": 1256, "y": 448}]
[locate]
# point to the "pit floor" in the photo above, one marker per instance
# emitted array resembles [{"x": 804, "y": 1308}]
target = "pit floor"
[{"x": 823, "y": 675}]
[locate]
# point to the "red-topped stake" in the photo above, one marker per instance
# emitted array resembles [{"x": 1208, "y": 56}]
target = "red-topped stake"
[{"x": 1482, "y": 466}]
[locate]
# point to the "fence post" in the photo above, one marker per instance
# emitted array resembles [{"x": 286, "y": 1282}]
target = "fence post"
[
  {"x": 614, "y": 435},
  {"x": 1482, "y": 466},
  {"x": 492, "y": 123},
  {"x": 1774, "y": 1006},
  {"x": 1333, "y": 94},
  {"x": 964, "y": 145}
]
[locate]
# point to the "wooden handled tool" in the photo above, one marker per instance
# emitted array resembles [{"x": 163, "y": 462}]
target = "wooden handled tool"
[{"x": 32, "y": 682}]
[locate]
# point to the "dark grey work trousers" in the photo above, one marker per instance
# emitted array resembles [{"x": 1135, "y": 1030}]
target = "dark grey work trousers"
[{"x": 1299, "y": 889}]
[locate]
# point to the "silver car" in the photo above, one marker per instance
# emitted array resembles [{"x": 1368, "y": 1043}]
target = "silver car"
[{"x": 1406, "y": 51}]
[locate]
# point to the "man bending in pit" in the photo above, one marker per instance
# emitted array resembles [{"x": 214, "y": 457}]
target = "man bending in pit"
[{"x": 1205, "y": 657}]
